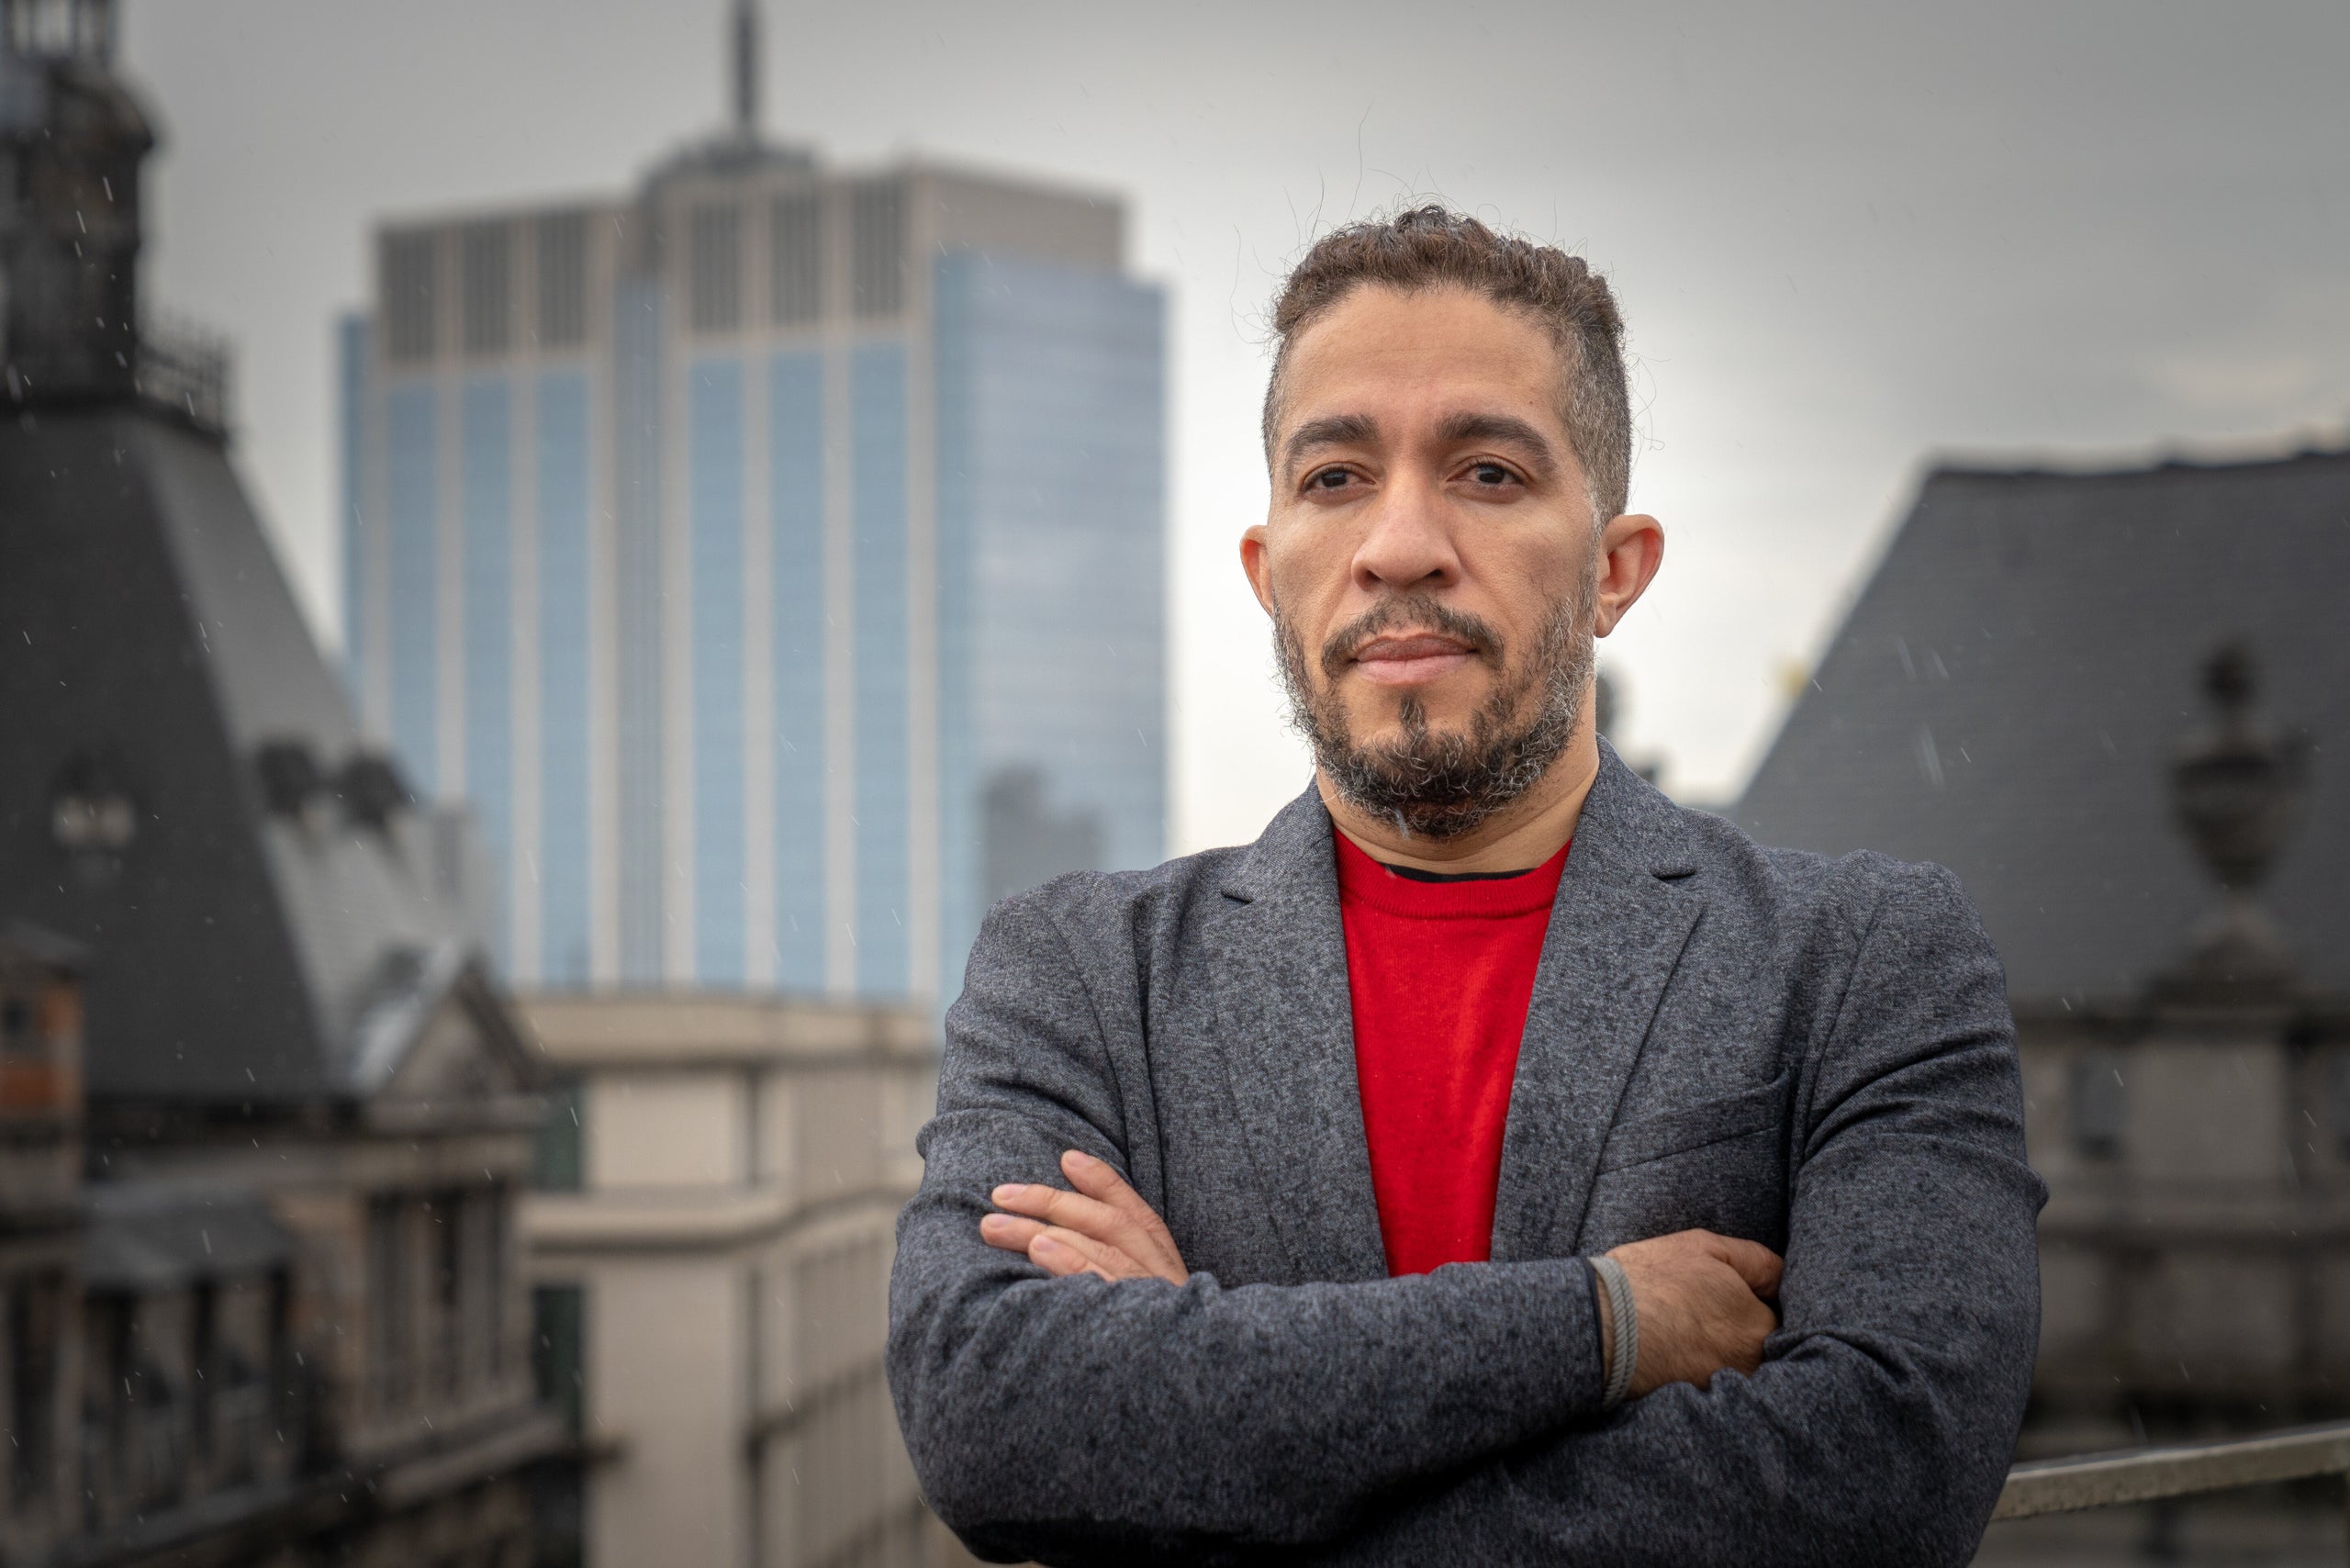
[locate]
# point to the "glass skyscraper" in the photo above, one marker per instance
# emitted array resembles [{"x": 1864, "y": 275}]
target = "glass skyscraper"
[{"x": 774, "y": 561}]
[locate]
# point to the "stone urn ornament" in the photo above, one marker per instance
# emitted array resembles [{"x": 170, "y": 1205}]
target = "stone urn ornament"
[{"x": 2237, "y": 789}]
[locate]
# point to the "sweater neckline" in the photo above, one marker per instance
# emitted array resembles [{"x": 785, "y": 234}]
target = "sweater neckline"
[{"x": 1366, "y": 881}]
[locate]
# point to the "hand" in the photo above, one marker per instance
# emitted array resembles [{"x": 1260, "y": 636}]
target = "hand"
[
  {"x": 1702, "y": 1304},
  {"x": 1102, "y": 1228}
]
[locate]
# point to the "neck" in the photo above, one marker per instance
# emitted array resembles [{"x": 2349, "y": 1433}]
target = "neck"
[{"x": 1524, "y": 834}]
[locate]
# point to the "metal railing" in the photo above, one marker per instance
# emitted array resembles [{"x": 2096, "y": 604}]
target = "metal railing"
[
  {"x": 184, "y": 369},
  {"x": 2181, "y": 1470}
]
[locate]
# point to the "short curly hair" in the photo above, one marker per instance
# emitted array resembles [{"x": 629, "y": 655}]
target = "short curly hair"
[{"x": 1433, "y": 247}]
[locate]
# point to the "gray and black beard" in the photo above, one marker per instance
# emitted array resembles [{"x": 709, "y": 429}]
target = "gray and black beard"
[{"x": 1440, "y": 784}]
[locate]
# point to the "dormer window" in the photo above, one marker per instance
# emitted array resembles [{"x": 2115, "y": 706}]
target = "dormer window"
[
  {"x": 371, "y": 790},
  {"x": 93, "y": 813},
  {"x": 290, "y": 776}
]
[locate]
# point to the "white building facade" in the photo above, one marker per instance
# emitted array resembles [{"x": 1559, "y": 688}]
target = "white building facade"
[{"x": 709, "y": 1256}]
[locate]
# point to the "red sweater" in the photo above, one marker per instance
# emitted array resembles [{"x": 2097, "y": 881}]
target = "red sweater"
[{"x": 1440, "y": 974}]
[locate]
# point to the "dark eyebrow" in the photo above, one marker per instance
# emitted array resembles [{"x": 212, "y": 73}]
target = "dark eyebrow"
[
  {"x": 1505, "y": 429},
  {"x": 1337, "y": 430}
]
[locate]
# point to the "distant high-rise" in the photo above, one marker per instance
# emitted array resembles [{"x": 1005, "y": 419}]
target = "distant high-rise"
[{"x": 774, "y": 560}]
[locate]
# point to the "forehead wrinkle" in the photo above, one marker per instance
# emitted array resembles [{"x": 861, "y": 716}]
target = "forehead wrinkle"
[{"x": 1335, "y": 430}]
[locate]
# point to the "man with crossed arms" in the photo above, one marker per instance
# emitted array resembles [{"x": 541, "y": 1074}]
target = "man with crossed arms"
[{"x": 1493, "y": 1162}]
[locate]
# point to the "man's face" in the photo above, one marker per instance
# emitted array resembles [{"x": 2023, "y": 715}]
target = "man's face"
[{"x": 1428, "y": 558}]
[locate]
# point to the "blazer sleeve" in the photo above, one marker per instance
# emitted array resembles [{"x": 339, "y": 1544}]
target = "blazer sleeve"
[
  {"x": 1880, "y": 1425},
  {"x": 1074, "y": 1420}
]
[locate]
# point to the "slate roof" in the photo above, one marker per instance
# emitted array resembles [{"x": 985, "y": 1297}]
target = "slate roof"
[
  {"x": 2009, "y": 692},
  {"x": 147, "y": 639}
]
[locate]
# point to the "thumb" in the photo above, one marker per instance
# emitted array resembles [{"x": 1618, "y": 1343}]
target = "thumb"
[{"x": 1756, "y": 1264}]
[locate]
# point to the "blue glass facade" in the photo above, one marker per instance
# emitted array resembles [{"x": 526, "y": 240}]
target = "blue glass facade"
[
  {"x": 714, "y": 514},
  {"x": 564, "y": 834},
  {"x": 795, "y": 495},
  {"x": 486, "y": 468},
  {"x": 1006, "y": 415},
  {"x": 877, "y": 507},
  {"x": 412, "y": 525},
  {"x": 1052, "y": 548}
]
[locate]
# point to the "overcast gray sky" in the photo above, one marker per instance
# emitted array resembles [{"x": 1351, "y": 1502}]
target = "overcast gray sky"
[{"x": 1847, "y": 238}]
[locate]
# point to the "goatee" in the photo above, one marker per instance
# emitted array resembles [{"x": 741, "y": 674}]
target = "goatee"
[{"x": 1440, "y": 784}]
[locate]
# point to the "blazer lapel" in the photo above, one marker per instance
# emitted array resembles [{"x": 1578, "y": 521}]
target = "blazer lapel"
[
  {"x": 1617, "y": 931},
  {"x": 1285, "y": 1026}
]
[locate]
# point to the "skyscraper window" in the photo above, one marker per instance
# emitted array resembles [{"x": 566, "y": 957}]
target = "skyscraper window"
[
  {"x": 796, "y": 255},
  {"x": 714, "y": 259},
  {"x": 410, "y": 295},
  {"x": 487, "y": 271},
  {"x": 877, "y": 248},
  {"x": 563, "y": 280}
]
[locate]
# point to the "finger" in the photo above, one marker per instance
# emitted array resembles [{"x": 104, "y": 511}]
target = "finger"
[
  {"x": 1146, "y": 1235},
  {"x": 1099, "y": 1181},
  {"x": 1097, "y": 1222},
  {"x": 1756, "y": 1264},
  {"x": 1058, "y": 1259},
  {"x": 1072, "y": 1210},
  {"x": 1065, "y": 1252},
  {"x": 1097, "y": 1178},
  {"x": 1009, "y": 1231},
  {"x": 1114, "y": 1213}
]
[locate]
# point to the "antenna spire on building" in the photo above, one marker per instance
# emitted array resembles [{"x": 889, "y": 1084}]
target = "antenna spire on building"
[{"x": 746, "y": 70}]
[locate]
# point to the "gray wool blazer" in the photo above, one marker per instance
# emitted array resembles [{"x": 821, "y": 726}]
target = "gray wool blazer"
[{"x": 1815, "y": 1054}]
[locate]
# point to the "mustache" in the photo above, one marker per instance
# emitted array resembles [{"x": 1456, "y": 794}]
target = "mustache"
[{"x": 1413, "y": 610}]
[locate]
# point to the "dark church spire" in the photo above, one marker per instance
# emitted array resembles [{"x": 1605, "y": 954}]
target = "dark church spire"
[
  {"x": 69, "y": 203},
  {"x": 73, "y": 141}
]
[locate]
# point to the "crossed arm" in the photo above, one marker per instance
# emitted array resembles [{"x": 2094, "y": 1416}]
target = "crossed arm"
[
  {"x": 1109, "y": 1407},
  {"x": 1702, "y": 1299}
]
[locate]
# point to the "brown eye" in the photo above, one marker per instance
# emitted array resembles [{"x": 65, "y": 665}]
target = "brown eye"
[
  {"x": 1329, "y": 479},
  {"x": 1490, "y": 473}
]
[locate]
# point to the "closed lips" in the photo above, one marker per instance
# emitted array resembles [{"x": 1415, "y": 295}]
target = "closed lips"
[{"x": 1421, "y": 657}]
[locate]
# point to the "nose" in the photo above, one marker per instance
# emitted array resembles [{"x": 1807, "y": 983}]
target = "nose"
[{"x": 1407, "y": 543}]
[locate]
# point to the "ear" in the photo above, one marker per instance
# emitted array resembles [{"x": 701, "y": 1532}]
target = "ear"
[
  {"x": 1253, "y": 561},
  {"x": 1631, "y": 548}
]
